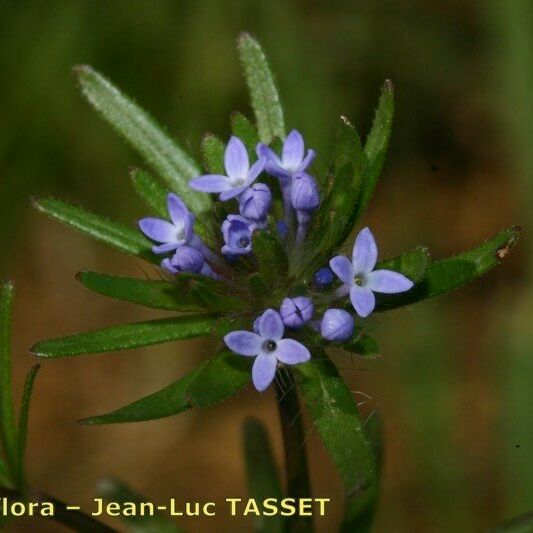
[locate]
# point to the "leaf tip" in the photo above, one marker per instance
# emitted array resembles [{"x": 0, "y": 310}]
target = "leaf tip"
[
  {"x": 388, "y": 85},
  {"x": 503, "y": 251},
  {"x": 81, "y": 69}
]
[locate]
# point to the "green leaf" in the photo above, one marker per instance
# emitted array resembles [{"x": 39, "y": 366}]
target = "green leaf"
[
  {"x": 271, "y": 257},
  {"x": 412, "y": 264},
  {"x": 144, "y": 135},
  {"x": 22, "y": 432},
  {"x": 177, "y": 397},
  {"x": 113, "y": 490},
  {"x": 102, "y": 229},
  {"x": 364, "y": 346},
  {"x": 213, "y": 150},
  {"x": 376, "y": 146},
  {"x": 261, "y": 472},
  {"x": 243, "y": 128},
  {"x": 519, "y": 524},
  {"x": 220, "y": 378},
  {"x": 150, "y": 191},
  {"x": 263, "y": 91},
  {"x": 7, "y": 416},
  {"x": 335, "y": 218},
  {"x": 335, "y": 416},
  {"x": 127, "y": 336},
  {"x": 448, "y": 274},
  {"x": 359, "y": 513},
  {"x": 169, "y": 295}
]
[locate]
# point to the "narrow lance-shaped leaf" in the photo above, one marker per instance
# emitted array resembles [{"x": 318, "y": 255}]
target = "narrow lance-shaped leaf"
[
  {"x": 150, "y": 191},
  {"x": 263, "y": 91},
  {"x": 213, "y": 151},
  {"x": 219, "y": 378},
  {"x": 127, "y": 336},
  {"x": 359, "y": 513},
  {"x": 169, "y": 295},
  {"x": 336, "y": 216},
  {"x": 7, "y": 417},
  {"x": 178, "y": 397},
  {"x": 100, "y": 228},
  {"x": 448, "y": 274},
  {"x": 243, "y": 128},
  {"x": 22, "y": 432},
  {"x": 261, "y": 472},
  {"x": 117, "y": 492},
  {"x": 335, "y": 416},
  {"x": 413, "y": 264},
  {"x": 144, "y": 134},
  {"x": 376, "y": 146},
  {"x": 364, "y": 346}
]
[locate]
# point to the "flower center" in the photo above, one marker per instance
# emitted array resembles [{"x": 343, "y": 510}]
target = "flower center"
[
  {"x": 359, "y": 280},
  {"x": 243, "y": 242},
  {"x": 238, "y": 181},
  {"x": 269, "y": 346}
]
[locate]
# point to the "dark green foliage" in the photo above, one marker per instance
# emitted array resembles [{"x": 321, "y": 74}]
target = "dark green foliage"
[
  {"x": 150, "y": 191},
  {"x": 213, "y": 152},
  {"x": 127, "y": 336}
]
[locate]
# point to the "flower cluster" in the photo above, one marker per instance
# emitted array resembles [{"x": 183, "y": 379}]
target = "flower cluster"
[{"x": 356, "y": 278}]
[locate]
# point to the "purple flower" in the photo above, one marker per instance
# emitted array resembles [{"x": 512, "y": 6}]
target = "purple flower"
[
  {"x": 293, "y": 157},
  {"x": 268, "y": 347},
  {"x": 304, "y": 193},
  {"x": 237, "y": 232},
  {"x": 295, "y": 312},
  {"x": 337, "y": 325},
  {"x": 360, "y": 279},
  {"x": 188, "y": 259},
  {"x": 239, "y": 173},
  {"x": 171, "y": 234},
  {"x": 254, "y": 202}
]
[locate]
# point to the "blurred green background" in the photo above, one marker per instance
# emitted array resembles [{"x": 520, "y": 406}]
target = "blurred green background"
[{"x": 454, "y": 385}]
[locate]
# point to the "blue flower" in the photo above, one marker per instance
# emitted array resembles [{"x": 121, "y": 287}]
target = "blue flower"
[
  {"x": 268, "y": 347},
  {"x": 359, "y": 278},
  {"x": 239, "y": 173},
  {"x": 255, "y": 202},
  {"x": 337, "y": 325},
  {"x": 293, "y": 157},
  {"x": 295, "y": 312},
  {"x": 237, "y": 233},
  {"x": 171, "y": 234}
]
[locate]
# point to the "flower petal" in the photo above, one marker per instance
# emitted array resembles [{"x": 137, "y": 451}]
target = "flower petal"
[
  {"x": 158, "y": 229},
  {"x": 388, "y": 282},
  {"x": 293, "y": 150},
  {"x": 365, "y": 252},
  {"x": 263, "y": 371},
  {"x": 342, "y": 267},
  {"x": 363, "y": 300},
  {"x": 275, "y": 169},
  {"x": 270, "y": 325},
  {"x": 244, "y": 342},
  {"x": 308, "y": 159},
  {"x": 232, "y": 193},
  {"x": 256, "y": 169},
  {"x": 264, "y": 151},
  {"x": 292, "y": 352},
  {"x": 165, "y": 248},
  {"x": 210, "y": 183},
  {"x": 177, "y": 209},
  {"x": 236, "y": 158}
]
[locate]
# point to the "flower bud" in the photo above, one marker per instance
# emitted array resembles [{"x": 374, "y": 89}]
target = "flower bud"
[
  {"x": 255, "y": 202},
  {"x": 337, "y": 325},
  {"x": 237, "y": 232},
  {"x": 323, "y": 277},
  {"x": 295, "y": 312},
  {"x": 187, "y": 259},
  {"x": 304, "y": 193}
]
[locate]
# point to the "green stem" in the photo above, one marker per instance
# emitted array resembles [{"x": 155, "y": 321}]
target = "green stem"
[
  {"x": 294, "y": 445},
  {"x": 75, "y": 520}
]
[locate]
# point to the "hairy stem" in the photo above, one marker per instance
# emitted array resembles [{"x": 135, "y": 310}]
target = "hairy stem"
[
  {"x": 75, "y": 520},
  {"x": 293, "y": 442}
]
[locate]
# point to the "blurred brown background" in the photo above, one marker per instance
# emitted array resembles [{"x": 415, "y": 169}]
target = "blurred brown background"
[{"x": 454, "y": 382}]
